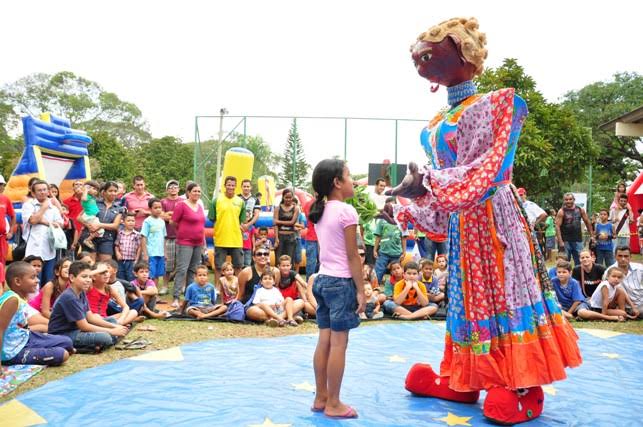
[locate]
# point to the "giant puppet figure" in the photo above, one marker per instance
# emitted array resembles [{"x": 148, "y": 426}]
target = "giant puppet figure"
[{"x": 505, "y": 332}]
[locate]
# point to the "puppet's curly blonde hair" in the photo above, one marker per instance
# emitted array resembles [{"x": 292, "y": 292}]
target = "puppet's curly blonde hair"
[{"x": 472, "y": 42}]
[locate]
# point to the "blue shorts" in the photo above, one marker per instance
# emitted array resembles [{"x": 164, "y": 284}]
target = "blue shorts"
[
  {"x": 550, "y": 242},
  {"x": 157, "y": 266},
  {"x": 336, "y": 303}
]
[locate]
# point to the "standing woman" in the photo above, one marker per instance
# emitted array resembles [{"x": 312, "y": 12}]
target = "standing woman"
[
  {"x": 285, "y": 217},
  {"x": 189, "y": 218},
  {"x": 110, "y": 215}
]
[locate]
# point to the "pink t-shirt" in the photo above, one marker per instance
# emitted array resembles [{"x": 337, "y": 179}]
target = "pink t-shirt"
[
  {"x": 133, "y": 202},
  {"x": 330, "y": 233},
  {"x": 190, "y": 225}
]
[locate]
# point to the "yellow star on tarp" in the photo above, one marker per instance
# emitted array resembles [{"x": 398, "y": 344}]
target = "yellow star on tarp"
[
  {"x": 305, "y": 386},
  {"x": 601, "y": 333},
  {"x": 454, "y": 420},
  {"x": 172, "y": 354},
  {"x": 611, "y": 355},
  {"x": 396, "y": 359},
  {"x": 16, "y": 413},
  {"x": 550, "y": 389},
  {"x": 267, "y": 422}
]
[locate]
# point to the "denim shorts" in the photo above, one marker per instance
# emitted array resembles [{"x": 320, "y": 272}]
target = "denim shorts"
[
  {"x": 221, "y": 253},
  {"x": 336, "y": 303}
]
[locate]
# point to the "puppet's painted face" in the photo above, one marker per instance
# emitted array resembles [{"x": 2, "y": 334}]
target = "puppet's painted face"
[{"x": 441, "y": 62}]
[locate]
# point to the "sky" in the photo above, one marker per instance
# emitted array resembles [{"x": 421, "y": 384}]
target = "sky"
[{"x": 179, "y": 59}]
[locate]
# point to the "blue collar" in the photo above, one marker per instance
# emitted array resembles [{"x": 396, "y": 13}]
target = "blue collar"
[{"x": 461, "y": 92}]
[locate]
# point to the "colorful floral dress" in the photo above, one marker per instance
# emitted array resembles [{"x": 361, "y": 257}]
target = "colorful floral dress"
[{"x": 504, "y": 325}]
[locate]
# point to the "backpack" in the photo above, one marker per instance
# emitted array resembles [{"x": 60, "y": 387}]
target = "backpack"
[{"x": 236, "y": 311}]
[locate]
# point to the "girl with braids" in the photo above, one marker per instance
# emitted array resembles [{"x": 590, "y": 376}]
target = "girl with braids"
[
  {"x": 338, "y": 288},
  {"x": 505, "y": 331}
]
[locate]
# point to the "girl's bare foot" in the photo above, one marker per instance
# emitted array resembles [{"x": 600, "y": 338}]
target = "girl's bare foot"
[{"x": 340, "y": 411}]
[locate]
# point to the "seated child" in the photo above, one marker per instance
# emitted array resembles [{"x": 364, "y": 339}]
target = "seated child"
[
  {"x": 36, "y": 262},
  {"x": 553, "y": 272},
  {"x": 610, "y": 298},
  {"x": 44, "y": 301},
  {"x": 200, "y": 297},
  {"x": 568, "y": 291},
  {"x": 86, "y": 257},
  {"x": 153, "y": 240},
  {"x": 127, "y": 293},
  {"x": 229, "y": 283},
  {"x": 410, "y": 298},
  {"x": 269, "y": 299},
  {"x": 90, "y": 211},
  {"x": 100, "y": 294},
  {"x": 310, "y": 307},
  {"x": 431, "y": 284},
  {"x": 127, "y": 247},
  {"x": 72, "y": 317},
  {"x": 372, "y": 310},
  {"x": 396, "y": 274},
  {"x": 261, "y": 239},
  {"x": 293, "y": 289},
  {"x": 145, "y": 285},
  {"x": 441, "y": 272},
  {"x": 19, "y": 345}
]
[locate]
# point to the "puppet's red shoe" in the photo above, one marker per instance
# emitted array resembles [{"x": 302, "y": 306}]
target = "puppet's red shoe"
[
  {"x": 504, "y": 406},
  {"x": 423, "y": 381}
]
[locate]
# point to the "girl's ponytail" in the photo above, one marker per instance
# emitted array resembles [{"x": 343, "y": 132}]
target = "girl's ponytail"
[
  {"x": 317, "y": 208},
  {"x": 323, "y": 180}
]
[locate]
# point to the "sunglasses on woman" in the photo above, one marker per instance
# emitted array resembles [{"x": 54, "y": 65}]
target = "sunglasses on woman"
[{"x": 262, "y": 253}]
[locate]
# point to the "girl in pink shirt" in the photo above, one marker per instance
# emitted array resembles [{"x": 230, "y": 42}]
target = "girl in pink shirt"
[{"x": 338, "y": 288}]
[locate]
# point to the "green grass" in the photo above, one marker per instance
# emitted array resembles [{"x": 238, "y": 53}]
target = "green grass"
[{"x": 174, "y": 333}]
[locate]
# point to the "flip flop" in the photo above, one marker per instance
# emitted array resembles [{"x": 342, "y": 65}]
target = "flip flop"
[
  {"x": 314, "y": 409},
  {"x": 350, "y": 413},
  {"x": 138, "y": 344},
  {"x": 148, "y": 328}
]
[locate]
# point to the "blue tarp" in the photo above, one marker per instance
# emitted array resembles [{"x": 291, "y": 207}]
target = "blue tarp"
[{"x": 241, "y": 382}]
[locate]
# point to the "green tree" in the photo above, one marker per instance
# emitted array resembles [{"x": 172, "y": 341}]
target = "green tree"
[
  {"x": 554, "y": 149},
  {"x": 162, "y": 159},
  {"x": 600, "y": 102},
  {"x": 294, "y": 167},
  {"x": 84, "y": 102},
  {"x": 113, "y": 161}
]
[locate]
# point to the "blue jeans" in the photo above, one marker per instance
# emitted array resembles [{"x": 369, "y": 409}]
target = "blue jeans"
[
  {"x": 126, "y": 269},
  {"x": 336, "y": 303},
  {"x": 47, "y": 273},
  {"x": 247, "y": 257},
  {"x": 381, "y": 264},
  {"x": 312, "y": 255},
  {"x": 434, "y": 248},
  {"x": 604, "y": 257},
  {"x": 621, "y": 241},
  {"x": 573, "y": 251},
  {"x": 421, "y": 242}
]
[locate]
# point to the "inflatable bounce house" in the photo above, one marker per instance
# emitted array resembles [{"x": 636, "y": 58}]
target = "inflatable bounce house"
[{"x": 53, "y": 152}]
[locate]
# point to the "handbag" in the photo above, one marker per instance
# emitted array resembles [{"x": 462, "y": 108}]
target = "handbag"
[
  {"x": 57, "y": 238},
  {"x": 20, "y": 249}
]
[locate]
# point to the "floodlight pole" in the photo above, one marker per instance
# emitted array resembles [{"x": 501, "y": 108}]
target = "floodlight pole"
[{"x": 217, "y": 186}]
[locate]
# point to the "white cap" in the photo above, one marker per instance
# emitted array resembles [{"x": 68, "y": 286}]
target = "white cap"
[{"x": 2, "y": 181}]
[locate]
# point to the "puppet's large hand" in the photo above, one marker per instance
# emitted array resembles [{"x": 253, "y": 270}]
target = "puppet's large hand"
[{"x": 411, "y": 186}]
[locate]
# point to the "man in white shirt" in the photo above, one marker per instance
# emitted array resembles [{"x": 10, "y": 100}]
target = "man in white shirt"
[
  {"x": 37, "y": 215},
  {"x": 633, "y": 282},
  {"x": 535, "y": 214},
  {"x": 377, "y": 194}
]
